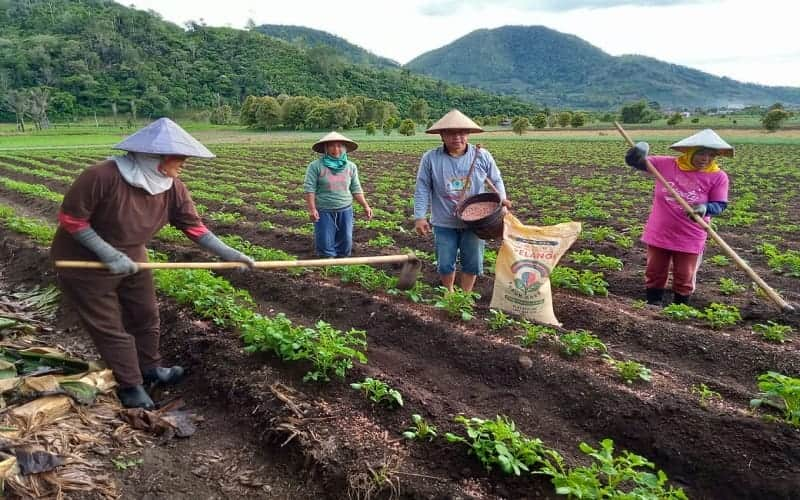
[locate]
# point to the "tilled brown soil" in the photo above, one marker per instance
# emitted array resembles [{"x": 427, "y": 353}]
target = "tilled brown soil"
[{"x": 346, "y": 446}]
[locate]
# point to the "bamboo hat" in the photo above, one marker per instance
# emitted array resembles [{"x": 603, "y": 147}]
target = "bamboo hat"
[
  {"x": 164, "y": 137},
  {"x": 704, "y": 139},
  {"x": 454, "y": 120},
  {"x": 319, "y": 146}
]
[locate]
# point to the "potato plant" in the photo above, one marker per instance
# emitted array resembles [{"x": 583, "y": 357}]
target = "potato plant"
[
  {"x": 379, "y": 392},
  {"x": 458, "y": 303},
  {"x": 630, "y": 371},
  {"x": 781, "y": 392},
  {"x": 420, "y": 429},
  {"x": 773, "y": 332}
]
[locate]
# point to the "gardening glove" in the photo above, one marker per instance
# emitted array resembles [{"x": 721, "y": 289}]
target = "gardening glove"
[
  {"x": 700, "y": 210},
  {"x": 635, "y": 157},
  {"x": 210, "y": 242},
  {"x": 117, "y": 262}
]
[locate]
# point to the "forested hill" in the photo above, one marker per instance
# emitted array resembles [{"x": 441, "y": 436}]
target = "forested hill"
[
  {"x": 562, "y": 70},
  {"x": 105, "y": 56},
  {"x": 311, "y": 39}
]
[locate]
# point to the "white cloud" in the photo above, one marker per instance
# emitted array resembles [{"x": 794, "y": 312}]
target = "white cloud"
[
  {"x": 735, "y": 38},
  {"x": 446, "y": 7}
]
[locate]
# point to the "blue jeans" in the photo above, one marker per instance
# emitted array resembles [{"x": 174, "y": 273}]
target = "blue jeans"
[
  {"x": 451, "y": 243},
  {"x": 333, "y": 232}
]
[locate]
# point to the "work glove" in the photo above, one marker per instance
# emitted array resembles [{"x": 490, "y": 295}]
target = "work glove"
[
  {"x": 117, "y": 262},
  {"x": 635, "y": 157},
  {"x": 210, "y": 242},
  {"x": 700, "y": 209}
]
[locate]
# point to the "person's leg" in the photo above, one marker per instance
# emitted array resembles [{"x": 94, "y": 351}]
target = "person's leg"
[
  {"x": 684, "y": 270},
  {"x": 97, "y": 305},
  {"x": 657, "y": 273},
  {"x": 324, "y": 234},
  {"x": 471, "y": 249},
  {"x": 446, "y": 242},
  {"x": 137, "y": 298},
  {"x": 344, "y": 232}
]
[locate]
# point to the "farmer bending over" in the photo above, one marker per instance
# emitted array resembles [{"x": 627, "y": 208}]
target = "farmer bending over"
[
  {"x": 110, "y": 213},
  {"x": 441, "y": 179},
  {"x": 670, "y": 234}
]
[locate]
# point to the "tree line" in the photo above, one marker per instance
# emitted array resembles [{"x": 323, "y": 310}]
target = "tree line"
[{"x": 99, "y": 57}]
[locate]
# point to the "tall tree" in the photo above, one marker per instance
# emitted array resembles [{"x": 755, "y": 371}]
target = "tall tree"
[{"x": 18, "y": 101}]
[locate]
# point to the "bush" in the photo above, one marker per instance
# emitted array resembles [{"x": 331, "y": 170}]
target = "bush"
[
  {"x": 520, "y": 125},
  {"x": 370, "y": 128},
  {"x": 221, "y": 115},
  {"x": 407, "y": 127},
  {"x": 774, "y": 119}
]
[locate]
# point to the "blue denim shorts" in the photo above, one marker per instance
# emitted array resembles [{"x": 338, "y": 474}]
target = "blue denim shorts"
[{"x": 462, "y": 244}]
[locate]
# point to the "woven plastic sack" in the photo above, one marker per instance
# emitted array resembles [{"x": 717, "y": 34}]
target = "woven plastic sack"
[{"x": 524, "y": 263}]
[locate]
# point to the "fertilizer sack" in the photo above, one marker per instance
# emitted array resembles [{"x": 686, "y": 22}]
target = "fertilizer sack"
[{"x": 522, "y": 272}]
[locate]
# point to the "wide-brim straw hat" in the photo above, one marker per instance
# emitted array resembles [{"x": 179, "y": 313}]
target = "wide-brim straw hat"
[
  {"x": 319, "y": 146},
  {"x": 705, "y": 139},
  {"x": 164, "y": 137},
  {"x": 454, "y": 120}
]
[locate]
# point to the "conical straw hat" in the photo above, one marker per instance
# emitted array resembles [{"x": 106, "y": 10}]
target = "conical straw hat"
[
  {"x": 164, "y": 137},
  {"x": 705, "y": 139},
  {"x": 319, "y": 146},
  {"x": 454, "y": 120}
]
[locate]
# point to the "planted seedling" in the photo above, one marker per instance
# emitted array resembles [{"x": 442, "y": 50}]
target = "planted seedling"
[
  {"x": 458, "y": 303},
  {"x": 681, "y": 312},
  {"x": 577, "y": 342},
  {"x": 122, "y": 463},
  {"x": 379, "y": 392},
  {"x": 781, "y": 392},
  {"x": 720, "y": 260},
  {"x": 608, "y": 476},
  {"x": 498, "y": 443},
  {"x": 721, "y": 315},
  {"x": 534, "y": 332},
  {"x": 705, "y": 394},
  {"x": 420, "y": 429},
  {"x": 729, "y": 287},
  {"x": 630, "y": 370},
  {"x": 772, "y": 331},
  {"x": 499, "y": 320}
]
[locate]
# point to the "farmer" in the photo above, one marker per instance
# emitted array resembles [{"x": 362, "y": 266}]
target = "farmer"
[
  {"x": 330, "y": 185},
  {"x": 670, "y": 234},
  {"x": 441, "y": 179},
  {"x": 110, "y": 213}
]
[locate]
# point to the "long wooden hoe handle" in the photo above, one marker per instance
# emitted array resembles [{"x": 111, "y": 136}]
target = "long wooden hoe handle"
[
  {"x": 269, "y": 264},
  {"x": 785, "y": 306}
]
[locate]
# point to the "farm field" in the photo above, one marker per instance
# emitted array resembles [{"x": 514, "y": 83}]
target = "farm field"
[{"x": 692, "y": 419}]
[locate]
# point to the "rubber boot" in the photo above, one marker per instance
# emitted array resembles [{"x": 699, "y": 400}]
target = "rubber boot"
[
  {"x": 681, "y": 299},
  {"x": 135, "y": 397},
  {"x": 163, "y": 376},
  {"x": 654, "y": 296}
]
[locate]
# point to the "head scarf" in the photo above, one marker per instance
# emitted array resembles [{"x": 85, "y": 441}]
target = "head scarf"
[
  {"x": 141, "y": 170},
  {"x": 685, "y": 162}
]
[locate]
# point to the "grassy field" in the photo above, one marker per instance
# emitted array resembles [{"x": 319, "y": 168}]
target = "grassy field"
[{"x": 106, "y": 135}]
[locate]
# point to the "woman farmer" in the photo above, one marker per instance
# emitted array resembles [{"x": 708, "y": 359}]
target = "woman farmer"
[
  {"x": 110, "y": 213},
  {"x": 441, "y": 180},
  {"x": 670, "y": 234},
  {"x": 330, "y": 185}
]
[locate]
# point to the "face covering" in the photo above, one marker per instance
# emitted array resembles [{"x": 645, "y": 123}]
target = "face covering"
[
  {"x": 141, "y": 170},
  {"x": 336, "y": 165},
  {"x": 685, "y": 163}
]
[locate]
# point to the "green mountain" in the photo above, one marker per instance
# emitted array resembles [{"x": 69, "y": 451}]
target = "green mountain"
[
  {"x": 561, "y": 70},
  {"x": 307, "y": 38},
  {"x": 97, "y": 55}
]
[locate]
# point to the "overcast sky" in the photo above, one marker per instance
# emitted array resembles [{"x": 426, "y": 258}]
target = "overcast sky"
[{"x": 747, "y": 40}]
